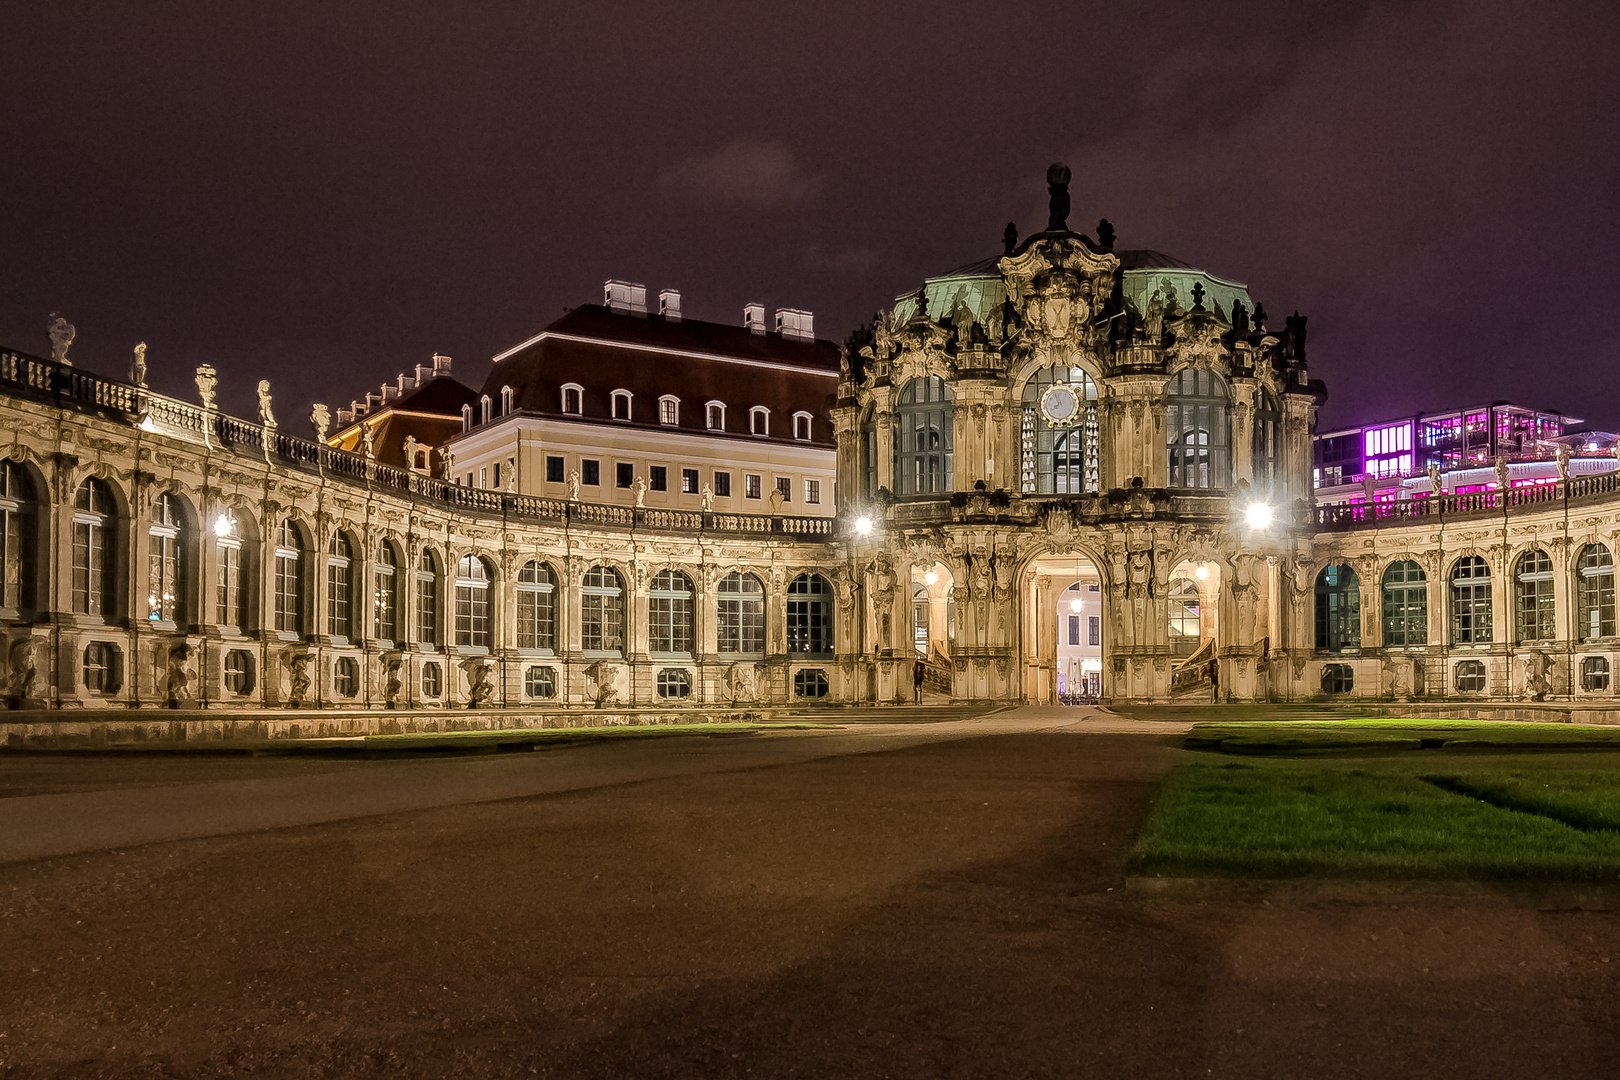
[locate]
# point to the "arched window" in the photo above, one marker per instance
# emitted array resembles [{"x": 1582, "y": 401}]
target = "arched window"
[
  {"x": 801, "y": 426},
  {"x": 621, "y": 404},
  {"x": 427, "y": 599},
  {"x": 669, "y": 611},
  {"x": 809, "y": 615},
  {"x": 669, "y": 409},
  {"x": 94, "y": 554},
  {"x": 601, "y": 612},
  {"x": 1338, "y": 609},
  {"x": 19, "y": 540},
  {"x": 1534, "y": 619},
  {"x": 164, "y": 561},
  {"x": 759, "y": 420},
  {"x": 1267, "y": 425},
  {"x": 573, "y": 398},
  {"x": 472, "y": 603},
  {"x": 289, "y": 578},
  {"x": 1470, "y": 601},
  {"x": 922, "y": 437},
  {"x": 1196, "y": 429},
  {"x": 1184, "y": 606},
  {"x": 742, "y": 614},
  {"x": 919, "y": 618},
  {"x": 1059, "y": 434},
  {"x": 339, "y": 575},
  {"x": 506, "y": 401},
  {"x": 537, "y": 608},
  {"x": 869, "y": 454},
  {"x": 1406, "y": 605},
  {"x": 1594, "y": 593},
  {"x": 230, "y": 599},
  {"x": 716, "y": 415},
  {"x": 385, "y": 593},
  {"x": 950, "y": 616}
]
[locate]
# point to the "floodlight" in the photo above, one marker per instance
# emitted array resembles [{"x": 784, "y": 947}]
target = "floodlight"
[
  {"x": 863, "y": 525},
  {"x": 1258, "y": 515}
]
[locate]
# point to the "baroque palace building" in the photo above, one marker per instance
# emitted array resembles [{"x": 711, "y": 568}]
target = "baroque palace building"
[{"x": 1067, "y": 468}]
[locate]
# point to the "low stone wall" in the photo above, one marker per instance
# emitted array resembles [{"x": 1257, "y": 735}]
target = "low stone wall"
[
  {"x": 52, "y": 730},
  {"x": 1537, "y": 712}
]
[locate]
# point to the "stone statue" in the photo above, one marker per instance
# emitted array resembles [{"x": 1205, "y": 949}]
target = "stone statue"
[
  {"x": 1563, "y": 464},
  {"x": 605, "y": 677},
  {"x": 61, "y": 333},
  {"x": 392, "y": 660},
  {"x": 447, "y": 465},
  {"x": 1260, "y": 318},
  {"x": 1057, "y": 190},
  {"x": 1240, "y": 320},
  {"x": 1198, "y": 296},
  {"x": 1105, "y": 234},
  {"x": 137, "y": 366},
  {"x": 1435, "y": 483},
  {"x": 21, "y": 674},
  {"x": 368, "y": 445},
  {"x": 843, "y": 581},
  {"x": 1153, "y": 325},
  {"x": 776, "y": 501},
  {"x": 266, "y": 417},
  {"x": 708, "y": 498},
  {"x": 479, "y": 688},
  {"x": 1009, "y": 238},
  {"x": 640, "y": 488},
  {"x": 320, "y": 420},
  {"x": 296, "y": 661},
  {"x": 411, "y": 449},
  {"x": 207, "y": 380},
  {"x": 962, "y": 319},
  {"x": 1501, "y": 473},
  {"x": 882, "y": 346},
  {"x": 740, "y": 683},
  {"x": 573, "y": 485},
  {"x": 1537, "y": 669},
  {"x": 1398, "y": 675},
  {"x": 176, "y": 678}
]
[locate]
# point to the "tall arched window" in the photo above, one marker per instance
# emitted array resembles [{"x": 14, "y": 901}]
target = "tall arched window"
[
  {"x": 537, "y": 608},
  {"x": 1338, "y": 609},
  {"x": 919, "y": 618},
  {"x": 1184, "y": 606},
  {"x": 427, "y": 598},
  {"x": 1534, "y": 619},
  {"x": 869, "y": 454},
  {"x": 1059, "y": 433},
  {"x": 1470, "y": 601},
  {"x": 230, "y": 599},
  {"x": 94, "y": 554},
  {"x": 1406, "y": 605},
  {"x": 1267, "y": 426},
  {"x": 289, "y": 578},
  {"x": 1196, "y": 429},
  {"x": 1594, "y": 593},
  {"x": 742, "y": 614},
  {"x": 19, "y": 540},
  {"x": 922, "y": 437},
  {"x": 385, "y": 593},
  {"x": 669, "y": 610},
  {"x": 164, "y": 564},
  {"x": 472, "y": 603},
  {"x": 601, "y": 612},
  {"x": 809, "y": 615},
  {"x": 339, "y": 571}
]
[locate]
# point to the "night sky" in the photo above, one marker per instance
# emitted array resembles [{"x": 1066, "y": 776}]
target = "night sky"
[{"x": 325, "y": 194}]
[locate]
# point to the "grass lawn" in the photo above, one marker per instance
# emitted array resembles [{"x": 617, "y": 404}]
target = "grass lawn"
[{"x": 1527, "y": 808}]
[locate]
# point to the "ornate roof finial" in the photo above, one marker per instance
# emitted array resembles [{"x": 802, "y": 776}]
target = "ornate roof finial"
[
  {"x": 1198, "y": 296},
  {"x": 1057, "y": 187},
  {"x": 1009, "y": 238}
]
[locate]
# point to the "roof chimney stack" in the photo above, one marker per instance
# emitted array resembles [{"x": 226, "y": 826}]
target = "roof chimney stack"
[
  {"x": 754, "y": 318},
  {"x": 795, "y": 325},
  {"x": 669, "y": 305},
  {"x": 441, "y": 365},
  {"x": 406, "y": 382},
  {"x": 625, "y": 297}
]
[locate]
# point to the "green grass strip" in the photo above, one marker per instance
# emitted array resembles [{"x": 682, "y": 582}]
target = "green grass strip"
[
  {"x": 1286, "y": 819},
  {"x": 1342, "y": 736}
]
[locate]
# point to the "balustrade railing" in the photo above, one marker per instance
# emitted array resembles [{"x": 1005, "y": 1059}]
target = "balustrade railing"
[
  {"x": 74, "y": 387},
  {"x": 1397, "y": 511}
]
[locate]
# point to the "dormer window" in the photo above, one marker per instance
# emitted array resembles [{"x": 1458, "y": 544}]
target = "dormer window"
[
  {"x": 717, "y": 415},
  {"x": 466, "y": 418},
  {"x": 486, "y": 408},
  {"x": 573, "y": 396},
  {"x": 759, "y": 420},
  {"x": 506, "y": 401},
  {"x": 669, "y": 409},
  {"x": 621, "y": 404},
  {"x": 801, "y": 426}
]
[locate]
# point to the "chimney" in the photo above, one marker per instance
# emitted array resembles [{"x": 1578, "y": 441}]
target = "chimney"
[
  {"x": 359, "y": 408},
  {"x": 625, "y": 297},
  {"x": 345, "y": 417},
  {"x": 796, "y": 325},
  {"x": 389, "y": 391},
  {"x": 754, "y": 318},
  {"x": 669, "y": 305},
  {"x": 441, "y": 365},
  {"x": 406, "y": 382},
  {"x": 423, "y": 374},
  {"x": 373, "y": 401}
]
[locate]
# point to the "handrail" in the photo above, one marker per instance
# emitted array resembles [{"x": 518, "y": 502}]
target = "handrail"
[{"x": 74, "y": 387}]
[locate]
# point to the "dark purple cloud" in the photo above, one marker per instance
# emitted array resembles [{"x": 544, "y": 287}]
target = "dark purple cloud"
[{"x": 325, "y": 194}]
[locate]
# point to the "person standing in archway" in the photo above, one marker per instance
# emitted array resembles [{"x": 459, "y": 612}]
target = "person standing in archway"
[
  {"x": 1214, "y": 680},
  {"x": 918, "y": 673}
]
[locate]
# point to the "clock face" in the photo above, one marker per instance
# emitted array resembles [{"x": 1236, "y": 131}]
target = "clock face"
[{"x": 1060, "y": 404}]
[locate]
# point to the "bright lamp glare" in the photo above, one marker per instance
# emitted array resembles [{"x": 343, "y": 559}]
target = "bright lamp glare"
[
  {"x": 1201, "y": 573},
  {"x": 930, "y": 577},
  {"x": 1258, "y": 515},
  {"x": 1074, "y": 605},
  {"x": 223, "y": 525},
  {"x": 863, "y": 525}
]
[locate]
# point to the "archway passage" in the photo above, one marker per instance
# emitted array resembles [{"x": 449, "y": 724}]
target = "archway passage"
[
  {"x": 933, "y": 626},
  {"x": 1063, "y": 630}
]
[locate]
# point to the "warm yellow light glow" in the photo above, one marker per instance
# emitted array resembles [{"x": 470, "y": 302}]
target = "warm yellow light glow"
[
  {"x": 1202, "y": 572},
  {"x": 1074, "y": 605},
  {"x": 930, "y": 577},
  {"x": 223, "y": 524},
  {"x": 863, "y": 525},
  {"x": 1258, "y": 515}
]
